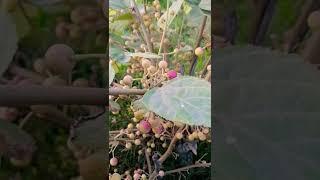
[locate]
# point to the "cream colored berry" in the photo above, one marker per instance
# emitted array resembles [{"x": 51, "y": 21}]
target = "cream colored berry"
[
  {"x": 145, "y": 63},
  {"x": 163, "y": 64},
  {"x": 198, "y": 51},
  {"x": 127, "y": 80}
]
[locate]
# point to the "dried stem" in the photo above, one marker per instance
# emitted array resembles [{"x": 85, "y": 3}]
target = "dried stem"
[
  {"x": 25, "y": 120},
  {"x": 148, "y": 161},
  {"x": 194, "y": 57},
  {"x": 143, "y": 27},
  {"x": 188, "y": 167},
  {"x": 165, "y": 28}
]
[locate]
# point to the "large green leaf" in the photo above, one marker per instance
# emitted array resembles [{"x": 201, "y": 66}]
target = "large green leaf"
[
  {"x": 185, "y": 99},
  {"x": 8, "y": 39},
  {"x": 118, "y": 55}
]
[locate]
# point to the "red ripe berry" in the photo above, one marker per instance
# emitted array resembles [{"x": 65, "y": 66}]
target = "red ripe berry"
[{"x": 171, "y": 74}]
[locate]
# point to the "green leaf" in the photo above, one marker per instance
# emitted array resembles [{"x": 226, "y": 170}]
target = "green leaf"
[
  {"x": 118, "y": 55},
  {"x": 8, "y": 39},
  {"x": 145, "y": 55},
  {"x": 173, "y": 11},
  {"x": 119, "y": 4},
  {"x": 111, "y": 73},
  {"x": 124, "y": 17},
  {"x": 205, "y": 6},
  {"x": 185, "y": 99}
]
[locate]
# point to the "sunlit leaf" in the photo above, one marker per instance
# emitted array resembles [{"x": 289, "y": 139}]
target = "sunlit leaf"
[
  {"x": 184, "y": 99},
  {"x": 169, "y": 16}
]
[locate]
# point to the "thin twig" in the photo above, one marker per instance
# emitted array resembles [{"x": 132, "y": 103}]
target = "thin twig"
[
  {"x": 148, "y": 161},
  {"x": 187, "y": 168},
  {"x": 170, "y": 148},
  {"x": 143, "y": 27},
  {"x": 205, "y": 67},
  {"x": 165, "y": 28},
  {"x": 194, "y": 57},
  {"x": 25, "y": 119}
]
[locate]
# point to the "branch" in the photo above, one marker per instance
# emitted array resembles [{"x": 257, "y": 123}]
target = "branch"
[
  {"x": 148, "y": 161},
  {"x": 187, "y": 168},
  {"x": 194, "y": 57},
  {"x": 18, "y": 95},
  {"x": 120, "y": 91},
  {"x": 170, "y": 148},
  {"x": 143, "y": 28}
]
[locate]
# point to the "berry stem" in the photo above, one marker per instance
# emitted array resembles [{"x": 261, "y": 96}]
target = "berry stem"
[
  {"x": 143, "y": 28},
  {"x": 194, "y": 57}
]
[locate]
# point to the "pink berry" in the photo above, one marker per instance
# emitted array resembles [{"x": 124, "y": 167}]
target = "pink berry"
[
  {"x": 136, "y": 176},
  {"x": 113, "y": 161},
  {"x": 144, "y": 126},
  {"x": 161, "y": 173},
  {"x": 158, "y": 130},
  {"x": 171, "y": 74}
]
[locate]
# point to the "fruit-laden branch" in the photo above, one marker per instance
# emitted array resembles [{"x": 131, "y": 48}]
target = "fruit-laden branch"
[
  {"x": 120, "y": 91},
  {"x": 20, "y": 95}
]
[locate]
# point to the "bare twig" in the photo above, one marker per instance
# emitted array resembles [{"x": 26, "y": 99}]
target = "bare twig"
[
  {"x": 148, "y": 161},
  {"x": 165, "y": 28},
  {"x": 194, "y": 57},
  {"x": 170, "y": 148},
  {"x": 143, "y": 27},
  {"x": 25, "y": 120},
  {"x": 187, "y": 168}
]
